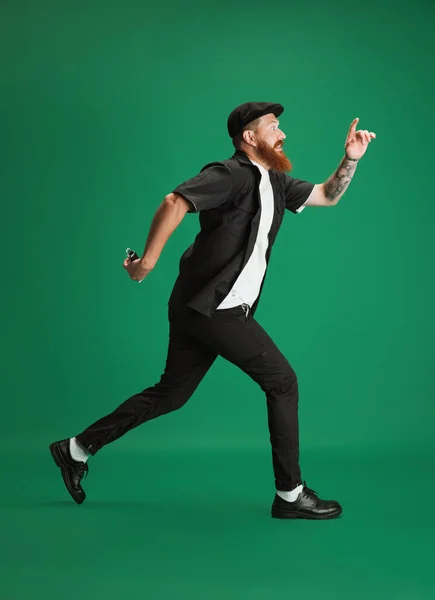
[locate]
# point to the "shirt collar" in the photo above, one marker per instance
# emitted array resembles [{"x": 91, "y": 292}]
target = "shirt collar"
[
  {"x": 242, "y": 158},
  {"x": 245, "y": 160}
]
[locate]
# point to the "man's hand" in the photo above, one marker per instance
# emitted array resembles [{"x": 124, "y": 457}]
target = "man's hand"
[
  {"x": 357, "y": 141},
  {"x": 136, "y": 269}
]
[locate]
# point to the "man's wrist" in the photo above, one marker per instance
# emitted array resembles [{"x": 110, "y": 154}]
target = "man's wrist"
[
  {"x": 147, "y": 264},
  {"x": 351, "y": 159}
]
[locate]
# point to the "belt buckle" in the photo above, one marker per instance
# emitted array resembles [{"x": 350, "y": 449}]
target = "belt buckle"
[{"x": 246, "y": 309}]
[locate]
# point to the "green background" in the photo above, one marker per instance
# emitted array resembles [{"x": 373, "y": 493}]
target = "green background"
[{"x": 105, "y": 108}]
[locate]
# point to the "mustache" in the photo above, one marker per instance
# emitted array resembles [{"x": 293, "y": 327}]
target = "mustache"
[{"x": 279, "y": 144}]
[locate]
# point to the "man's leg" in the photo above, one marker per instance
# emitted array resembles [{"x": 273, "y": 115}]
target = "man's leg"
[
  {"x": 246, "y": 344},
  {"x": 243, "y": 342},
  {"x": 188, "y": 360}
]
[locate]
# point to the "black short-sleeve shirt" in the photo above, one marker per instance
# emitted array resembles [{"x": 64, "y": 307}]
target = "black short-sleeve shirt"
[{"x": 226, "y": 196}]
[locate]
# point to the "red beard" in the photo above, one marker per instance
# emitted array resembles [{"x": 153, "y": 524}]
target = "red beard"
[{"x": 276, "y": 160}]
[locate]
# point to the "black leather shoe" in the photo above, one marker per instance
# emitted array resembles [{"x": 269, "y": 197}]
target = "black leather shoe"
[
  {"x": 307, "y": 506},
  {"x": 72, "y": 470}
]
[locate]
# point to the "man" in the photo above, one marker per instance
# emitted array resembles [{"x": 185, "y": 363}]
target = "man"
[{"x": 241, "y": 203}]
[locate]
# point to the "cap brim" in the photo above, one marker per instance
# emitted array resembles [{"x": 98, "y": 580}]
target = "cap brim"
[{"x": 278, "y": 110}]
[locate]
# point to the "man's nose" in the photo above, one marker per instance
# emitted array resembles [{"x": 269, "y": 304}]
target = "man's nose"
[{"x": 282, "y": 135}]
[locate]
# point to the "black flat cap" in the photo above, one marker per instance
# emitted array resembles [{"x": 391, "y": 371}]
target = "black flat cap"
[{"x": 245, "y": 113}]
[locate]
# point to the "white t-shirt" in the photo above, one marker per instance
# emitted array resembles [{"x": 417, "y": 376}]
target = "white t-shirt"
[{"x": 247, "y": 286}]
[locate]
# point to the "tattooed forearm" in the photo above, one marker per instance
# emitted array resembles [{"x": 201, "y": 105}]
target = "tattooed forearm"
[{"x": 336, "y": 185}]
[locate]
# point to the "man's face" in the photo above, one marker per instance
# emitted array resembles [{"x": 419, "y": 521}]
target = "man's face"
[{"x": 269, "y": 140}]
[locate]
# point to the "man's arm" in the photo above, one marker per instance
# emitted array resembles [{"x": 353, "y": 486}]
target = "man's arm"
[
  {"x": 168, "y": 216},
  {"x": 330, "y": 192},
  {"x": 209, "y": 189}
]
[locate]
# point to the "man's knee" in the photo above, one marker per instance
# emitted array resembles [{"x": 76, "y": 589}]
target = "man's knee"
[
  {"x": 284, "y": 383},
  {"x": 178, "y": 402},
  {"x": 162, "y": 403},
  {"x": 273, "y": 373}
]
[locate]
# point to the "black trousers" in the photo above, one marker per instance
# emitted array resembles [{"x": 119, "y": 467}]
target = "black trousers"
[{"x": 195, "y": 341}]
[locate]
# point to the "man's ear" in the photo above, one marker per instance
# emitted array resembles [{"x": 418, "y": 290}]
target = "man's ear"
[{"x": 249, "y": 137}]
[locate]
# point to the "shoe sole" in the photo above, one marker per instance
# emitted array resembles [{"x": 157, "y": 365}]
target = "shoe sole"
[
  {"x": 285, "y": 514},
  {"x": 58, "y": 459}
]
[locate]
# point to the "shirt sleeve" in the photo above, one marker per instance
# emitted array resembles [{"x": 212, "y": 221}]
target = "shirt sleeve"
[
  {"x": 210, "y": 188},
  {"x": 297, "y": 193}
]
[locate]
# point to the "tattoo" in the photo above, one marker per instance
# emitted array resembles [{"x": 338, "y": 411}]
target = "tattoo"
[{"x": 339, "y": 181}]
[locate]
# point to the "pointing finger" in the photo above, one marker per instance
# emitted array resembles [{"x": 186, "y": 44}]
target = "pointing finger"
[{"x": 353, "y": 125}]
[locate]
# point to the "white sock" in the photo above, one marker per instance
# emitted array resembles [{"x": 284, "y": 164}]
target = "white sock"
[
  {"x": 291, "y": 496},
  {"x": 77, "y": 452}
]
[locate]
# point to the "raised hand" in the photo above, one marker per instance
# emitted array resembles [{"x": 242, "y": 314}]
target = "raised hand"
[{"x": 357, "y": 141}]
